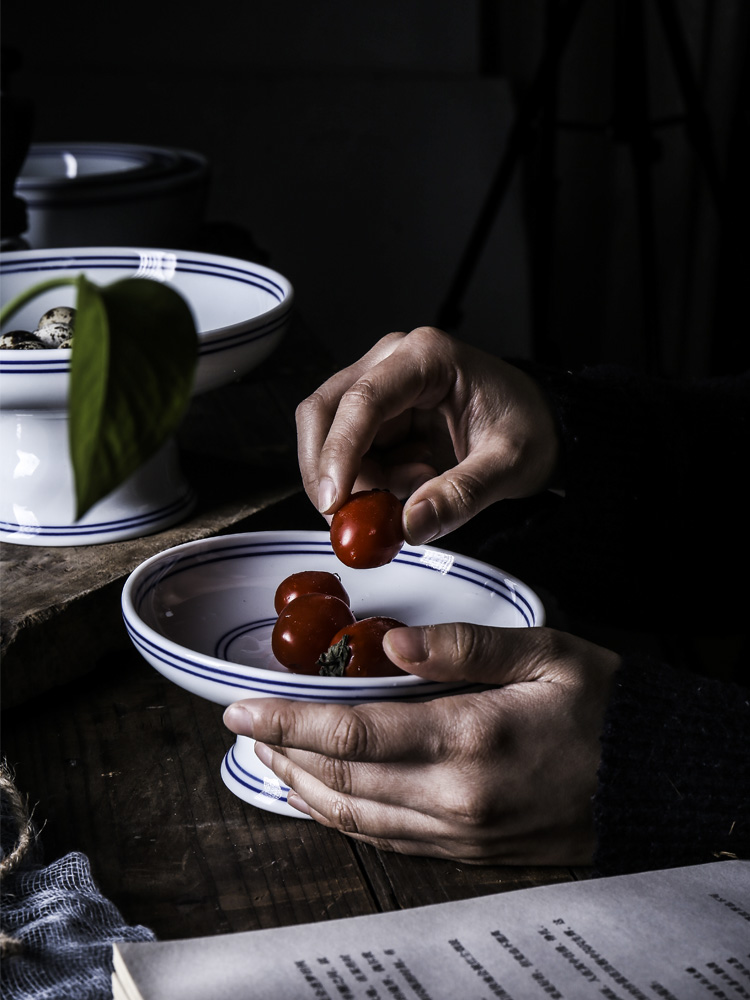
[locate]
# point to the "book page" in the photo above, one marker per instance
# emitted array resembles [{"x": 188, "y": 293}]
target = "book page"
[{"x": 669, "y": 935}]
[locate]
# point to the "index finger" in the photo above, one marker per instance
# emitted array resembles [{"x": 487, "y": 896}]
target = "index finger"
[
  {"x": 316, "y": 413},
  {"x": 377, "y": 732},
  {"x": 393, "y": 384}
]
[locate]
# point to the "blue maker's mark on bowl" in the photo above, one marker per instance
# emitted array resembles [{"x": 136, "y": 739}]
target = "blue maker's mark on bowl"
[{"x": 255, "y": 784}]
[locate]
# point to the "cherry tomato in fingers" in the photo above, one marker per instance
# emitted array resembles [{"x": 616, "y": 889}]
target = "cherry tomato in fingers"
[
  {"x": 309, "y": 581},
  {"x": 366, "y": 531},
  {"x": 357, "y": 650},
  {"x": 304, "y": 628}
]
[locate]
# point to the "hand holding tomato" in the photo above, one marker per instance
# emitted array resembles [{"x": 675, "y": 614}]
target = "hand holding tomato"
[
  {"x": 479, "y": 776},
  {"x": 431, "y": 419}
]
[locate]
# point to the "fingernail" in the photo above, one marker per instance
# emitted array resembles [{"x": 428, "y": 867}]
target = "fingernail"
[
  {"x": 422, "y": 522},
  {"x": 326, "y": 494},
  {"x": 239, "y": 719},
  {"x": 297, "y": 803},
  {"x": 407, "y": 643}
]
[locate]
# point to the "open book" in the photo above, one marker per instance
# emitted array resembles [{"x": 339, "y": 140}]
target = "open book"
[{"x": 678, "y": 934}]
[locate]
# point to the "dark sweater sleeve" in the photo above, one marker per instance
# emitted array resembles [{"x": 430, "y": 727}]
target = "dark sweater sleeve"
[
  {"x": 674, "y": 779},
  {"x": 653, "y": 528},
  {"x": 652, "y": 537}
]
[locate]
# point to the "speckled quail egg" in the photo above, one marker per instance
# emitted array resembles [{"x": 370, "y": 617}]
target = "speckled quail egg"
[
  {"x": 55, "y": 328},
  {"x": 60, "y": 314},
  {"x": 20, "y": 340},
  {"x": 54, "y": 334}
]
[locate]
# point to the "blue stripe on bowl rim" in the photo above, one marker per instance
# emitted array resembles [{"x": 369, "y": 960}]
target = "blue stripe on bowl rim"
[
  {"x": 241, "y": 550},
  {"x": 277, "y": 684},
  {"x": 132, "y": 261},
  {"x": 102, "y": 527},
  {"x": 268, "y": 682},
  {"x": 28, "y": 363}
]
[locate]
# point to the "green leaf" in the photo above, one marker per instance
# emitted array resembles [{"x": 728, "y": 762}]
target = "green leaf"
[{"x": 135, "y": 349}]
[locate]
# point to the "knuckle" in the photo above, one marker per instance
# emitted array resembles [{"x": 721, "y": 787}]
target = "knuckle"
[
  {"x": 343, "y": 816},
  {"x": 472, "y": 808},
  {"x": 431, "y": 338},
  {"x": 275, "y": 725},
  {"x": 336, "y": 774},
  {"x": 469, "y": 644},
  {"x": 309, "y": 406},
  {"x": 349, "y": 736},
  {"x": 464, "y": 492},
  {"x": 363, "y": 392}
]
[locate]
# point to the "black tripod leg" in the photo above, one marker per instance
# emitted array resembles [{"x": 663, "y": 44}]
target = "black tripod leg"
[
  {"x": 697, "y": 122},
  {"x": 631, "y": 126},
  {"x": 449, "y": 313}
]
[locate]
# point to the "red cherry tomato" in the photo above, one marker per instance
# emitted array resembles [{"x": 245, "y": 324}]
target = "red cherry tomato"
[
  {"x": 366, "y": 531},
  {"x": 357, "y": 650},
  {"x": 304, "y": 628},
  {"x": 309, "y": 581}
]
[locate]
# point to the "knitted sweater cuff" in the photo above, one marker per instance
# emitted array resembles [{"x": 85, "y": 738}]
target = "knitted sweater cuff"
[{"x": 674, "y": 779}]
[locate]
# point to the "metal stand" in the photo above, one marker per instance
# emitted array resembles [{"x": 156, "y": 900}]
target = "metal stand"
[{"x": 631, "y": 124}]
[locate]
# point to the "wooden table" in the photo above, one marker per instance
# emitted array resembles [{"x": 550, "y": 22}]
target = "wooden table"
[{"x": 124, "y": 766}]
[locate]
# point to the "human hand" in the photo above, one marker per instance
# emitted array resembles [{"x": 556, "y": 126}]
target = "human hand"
[
  {"x": 499, "y": 775},
  {"x": 431, "y": 419}
]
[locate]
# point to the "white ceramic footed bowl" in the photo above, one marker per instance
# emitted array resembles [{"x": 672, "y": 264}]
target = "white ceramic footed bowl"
[
  {"x": 241, "y": 311},
  {"x": 202, "y": 614}
]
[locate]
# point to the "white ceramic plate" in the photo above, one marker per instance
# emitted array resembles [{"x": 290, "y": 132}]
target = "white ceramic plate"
[{"x": 202, "y": 615}]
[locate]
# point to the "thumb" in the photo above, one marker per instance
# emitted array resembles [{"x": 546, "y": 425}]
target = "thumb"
[
  {"x": 479, "y": 654},
  {"x": 447, "y": 501}
]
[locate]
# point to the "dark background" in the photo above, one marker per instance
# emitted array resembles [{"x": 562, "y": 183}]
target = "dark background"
[{"x": 356, "y": 142}]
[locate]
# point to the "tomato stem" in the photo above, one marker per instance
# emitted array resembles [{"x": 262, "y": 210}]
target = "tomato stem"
[{"x": 336, "y": 658}]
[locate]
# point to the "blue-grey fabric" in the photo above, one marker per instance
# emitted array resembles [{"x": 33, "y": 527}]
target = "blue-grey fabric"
[{"x": 58, "y": 929}]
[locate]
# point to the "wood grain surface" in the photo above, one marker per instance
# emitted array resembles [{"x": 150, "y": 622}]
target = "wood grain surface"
[{"x": 123, "y": 766}]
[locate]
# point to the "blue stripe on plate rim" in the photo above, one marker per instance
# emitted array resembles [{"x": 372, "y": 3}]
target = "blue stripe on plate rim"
[
  {"x": 100, "y": 527},
  {"x": 241, "y": 550},
  {"x": 133, "y": 262},
  {"x": 252, "y": 782},
  {"x": 286, "y": 684},
  {"x": 30, "y": 365}
]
